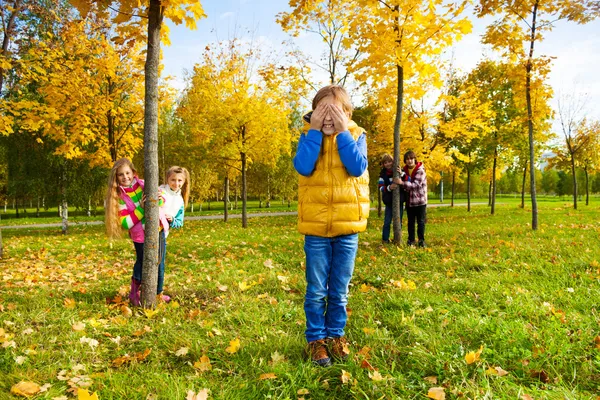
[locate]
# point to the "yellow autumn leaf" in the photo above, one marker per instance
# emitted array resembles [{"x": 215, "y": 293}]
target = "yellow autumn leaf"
[
  {"x": 126, "y": 311},
  {"x": 473, "y": 356},
  {"x": 345, "y": 377},
  {"x": 436, "y": 393},
  {"x": 203, "y": 364},
  {"x": 234, "y": 346},
  {"x": 83, "y": 394},
  {"x": 25, "y": 389},
  {"x": 376, "y": 376},
  {"x": 69, "y": 303},
  {"x": 368, "y": 331},
  {"x": 268, "y": 375}
]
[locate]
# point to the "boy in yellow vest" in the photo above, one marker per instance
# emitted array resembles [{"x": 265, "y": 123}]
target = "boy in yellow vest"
[{"x": 333, "y": 206}]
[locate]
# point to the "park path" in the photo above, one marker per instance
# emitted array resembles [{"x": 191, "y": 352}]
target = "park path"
[{"x": 205, "y": 217}]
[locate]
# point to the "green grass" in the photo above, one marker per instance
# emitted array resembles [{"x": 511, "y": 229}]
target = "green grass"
[{"x": 528, "y": 299}]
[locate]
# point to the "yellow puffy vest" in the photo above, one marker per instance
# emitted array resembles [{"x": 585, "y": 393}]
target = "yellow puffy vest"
[{"x": 330, "y": 201}]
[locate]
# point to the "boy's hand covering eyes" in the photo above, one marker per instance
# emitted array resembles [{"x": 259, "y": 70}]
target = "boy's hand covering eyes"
[
  {"x": 340, "y": 119},
  {"x": 318, "y": 116}
]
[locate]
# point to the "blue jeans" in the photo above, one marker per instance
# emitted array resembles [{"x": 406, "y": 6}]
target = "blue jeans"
[
  {"x": 387, "y": 221},
  {"x": 139, "y": 261},
  {"x": 329, "y": 268}
]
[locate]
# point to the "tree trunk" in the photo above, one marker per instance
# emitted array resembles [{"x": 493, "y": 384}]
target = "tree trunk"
[
  {"x": 442, "y": 187},
  {"x": 494, "y": 181},
  {"x": 468, "y": 189},
  {"x": 528, "y": 67},
  {"x": 89, "y": 208},
  {"x": 64, "y": 206},
  {"x": 574, "y": 181},
  {"x": 235, "y": 195},
  {"x": 268, "y": 202},
  {"x": 225, "y": 198},
  {"x": 244, "y": 183},
  {"x": 7, "y": 31},
  {"x": 490, "y": 193},
  {"x": 151, "y": 240},
  {"x": 1, "y": 245},
  {"x": 523, "y": 186},
  {"x": 587, "y": 187},
  {"x": 396, "y": 221},
  {"x": 453, "y": 187}
]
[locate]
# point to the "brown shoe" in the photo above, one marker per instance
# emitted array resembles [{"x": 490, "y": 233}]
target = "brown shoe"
[
  {"x": 317, "y": 351},
  {"x": 339, "y": 348}
]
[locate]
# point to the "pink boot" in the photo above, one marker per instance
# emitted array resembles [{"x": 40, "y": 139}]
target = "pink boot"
[
  {"x": 164, "y": 297},
  {"x": 134, "y": 294}
]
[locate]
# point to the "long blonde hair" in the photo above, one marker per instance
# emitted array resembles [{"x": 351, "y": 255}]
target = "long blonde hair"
[
  {"x": 111, "y": 200},
  {"x": 185, "y": 188}
]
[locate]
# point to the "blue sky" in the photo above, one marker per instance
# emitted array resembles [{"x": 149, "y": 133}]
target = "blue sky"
[{"x": 576, "y": 47}]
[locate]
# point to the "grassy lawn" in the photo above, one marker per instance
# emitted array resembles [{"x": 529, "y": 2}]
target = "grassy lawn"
[{"x": 523, "y": 306}]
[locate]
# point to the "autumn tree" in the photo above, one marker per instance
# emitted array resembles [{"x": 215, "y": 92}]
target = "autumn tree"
[
  {"x": 520, "y": 25},
  {"x": 127, "y": 16},
  {"x": 575, "y": 132},
  {"x": 238, "y": 105},
  {"x": 327, "y": 20},
  {"x": 399, "y": 41}
]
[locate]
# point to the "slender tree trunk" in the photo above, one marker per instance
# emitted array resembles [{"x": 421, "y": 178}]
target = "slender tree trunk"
[
  {"x": 523, "y": 185},
  {"x": 528, "y": 67},
  {"x": 396, "y": 221},
  {"x": 64, "y": 206},
  {"x": 1, "y": 245},
  {"x": 490, "y": 193},
  {"x": 8, "y": 28},
  {"x": 587, "y": 187},
  {"x": 574, "y": 181},
  {"x": 225, "y": 199},
  {"x": 37, "y": 209},
  {"x": 151, "y": 241},
  {"x": 235, "y": 194},
  {"x": 268, "y": 205},
  {"x": 468, "y": 189},
  {"x": 442, "y": 187},
  {"x": 453, "y": 187},
  {"x": 494, "y": 181},
  {"x": 244, "y": 183}
]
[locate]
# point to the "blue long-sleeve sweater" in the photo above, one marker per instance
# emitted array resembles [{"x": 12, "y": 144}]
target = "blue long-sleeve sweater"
[{"x": 353, "y": 153}]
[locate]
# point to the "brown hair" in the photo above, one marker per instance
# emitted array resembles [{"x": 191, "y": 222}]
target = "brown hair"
[
  {"x": 111, "y": 200},
  {"x": 410, "y": 154},
  {"x": 185, "y": 189},
  {"x": 338, "y": 93},
  {"x": 386, "y": 157}
]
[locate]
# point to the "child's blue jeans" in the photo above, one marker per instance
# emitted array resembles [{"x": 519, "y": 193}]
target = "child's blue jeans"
[
  {"x": 139, "y": 260},
  {"x": 329, "y": 268}
]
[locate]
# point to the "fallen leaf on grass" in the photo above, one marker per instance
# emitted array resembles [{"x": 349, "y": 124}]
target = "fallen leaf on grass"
[
  {"x": 234, "y": 346},
  {"x": 126, "y": 311},
  {"x": 376, "y": 376},
  {"x": 302, "y": 392},
  {"x": 25, "y": 389},
  {"x": 597, "y": 342},
  {"x": 431, "y": 379},
  {"x": 498, "y": 371},
  {"x": 201, "y": 395},
  {"x": 69, "y": 303},
  {"x": 142, "y": 331},
  {"x": 182, "y": 352},
  {"x": 277, "y": 358},
  {"x": 83, "y": 394},
  {"x": 269, "y": 375},
  {"x": 526, "y": 397},
  {"x": 346, "y": 376},
  {"x": 368, "y": 331},
  {"x": 365, "y": 364},
  {"x": 473, "y": 356},
  {"x": 268, "y": 263},
  {"x": 436, "y": 393},
  {"x": 203, "y": 364},
  {"x": 78, "y": 326}
]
